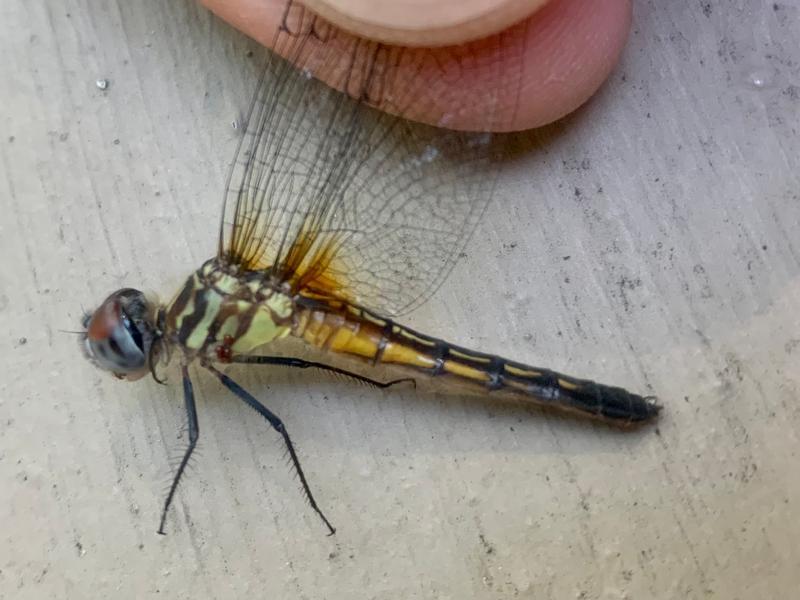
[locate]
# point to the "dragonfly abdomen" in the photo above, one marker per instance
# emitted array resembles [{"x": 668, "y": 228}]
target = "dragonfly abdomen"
[{"x": 360, "y": 333}]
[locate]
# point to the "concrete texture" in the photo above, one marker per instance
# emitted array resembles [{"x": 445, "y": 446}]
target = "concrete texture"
[{"x": 649, "y": 240}]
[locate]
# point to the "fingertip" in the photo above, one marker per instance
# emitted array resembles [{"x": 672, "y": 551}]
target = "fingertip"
[
  {"x": 566, "y": 49},
  {"x": 570, "y": 52}
]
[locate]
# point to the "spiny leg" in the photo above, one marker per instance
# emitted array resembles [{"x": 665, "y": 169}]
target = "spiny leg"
[
  {"x": 194, "y": 433},
  {"x": 299, "y": 363},
  {"x": 278, "y": 426}
]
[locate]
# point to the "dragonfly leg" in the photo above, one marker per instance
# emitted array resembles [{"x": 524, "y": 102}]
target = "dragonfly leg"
[
  {"x": 278, "y": 426},
  {"x": 194, "y": 434},
  {"x": 299, "y": 363}
]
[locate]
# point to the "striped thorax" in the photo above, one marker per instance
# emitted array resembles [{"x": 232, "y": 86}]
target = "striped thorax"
[{"x": 220, "y": 311}]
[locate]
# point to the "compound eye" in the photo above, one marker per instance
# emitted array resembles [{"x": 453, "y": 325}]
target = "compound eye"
[{"x": 113, "y": 339}]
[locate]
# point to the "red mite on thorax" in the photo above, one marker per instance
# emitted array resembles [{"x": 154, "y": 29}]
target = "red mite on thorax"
[{"x": 224, "y": 350}]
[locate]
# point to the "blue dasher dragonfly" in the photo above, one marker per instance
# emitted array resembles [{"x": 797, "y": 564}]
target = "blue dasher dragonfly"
[{"x": 337, "y": 218}]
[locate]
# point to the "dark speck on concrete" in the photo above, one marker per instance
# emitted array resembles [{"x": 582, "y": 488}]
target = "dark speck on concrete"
[
  {"x": 625, "y": 284},
  {"x": 486, "y": 545},
  {"x": 792, "y": 92},
  {"x": 627, "y": 575}
]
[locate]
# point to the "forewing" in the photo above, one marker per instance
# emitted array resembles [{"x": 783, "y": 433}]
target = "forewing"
[{"x": 340, "y": 200}]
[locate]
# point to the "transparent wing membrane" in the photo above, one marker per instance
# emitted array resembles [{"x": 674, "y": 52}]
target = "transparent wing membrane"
[{"x": 344, "y": 201}]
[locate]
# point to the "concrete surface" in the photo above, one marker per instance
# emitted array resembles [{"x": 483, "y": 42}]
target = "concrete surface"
[{"x": 651, "y": 239}]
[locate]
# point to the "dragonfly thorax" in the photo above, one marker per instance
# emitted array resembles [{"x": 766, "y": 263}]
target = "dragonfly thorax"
[{"x": 220, "y": 310}]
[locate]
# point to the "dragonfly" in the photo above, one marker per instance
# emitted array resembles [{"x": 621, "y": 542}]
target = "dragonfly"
[{"x": 337, "y": 218}]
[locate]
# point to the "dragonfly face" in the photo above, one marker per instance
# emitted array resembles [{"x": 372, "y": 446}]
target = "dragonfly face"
[{"x": 120, "y": 334}]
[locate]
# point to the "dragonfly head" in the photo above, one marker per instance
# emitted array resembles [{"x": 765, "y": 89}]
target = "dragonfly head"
[{"x": 122, "y": 334}]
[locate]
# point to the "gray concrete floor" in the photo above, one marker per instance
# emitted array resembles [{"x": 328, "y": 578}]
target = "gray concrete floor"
[{"x": 676, "y": 195}]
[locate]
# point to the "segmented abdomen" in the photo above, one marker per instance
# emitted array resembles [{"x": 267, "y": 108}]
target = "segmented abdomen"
[{"x": 357, "y": 332}]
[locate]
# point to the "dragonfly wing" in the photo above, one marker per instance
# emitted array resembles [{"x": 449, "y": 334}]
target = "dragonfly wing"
[{"x": 340, "y": 200}]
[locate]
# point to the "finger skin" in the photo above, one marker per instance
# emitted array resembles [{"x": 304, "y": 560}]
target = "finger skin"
[{"x": 568, "y": 51}]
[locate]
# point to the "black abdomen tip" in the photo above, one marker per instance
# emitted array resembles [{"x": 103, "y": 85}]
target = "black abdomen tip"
[
  {"x": 653, "y": 407},
  {"x": 621, "y": 406},
  {"x": 612, "y": 404}
]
